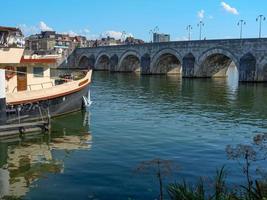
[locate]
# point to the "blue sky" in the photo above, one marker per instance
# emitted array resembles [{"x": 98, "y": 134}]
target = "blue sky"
[{"x": 95, "y": 17}]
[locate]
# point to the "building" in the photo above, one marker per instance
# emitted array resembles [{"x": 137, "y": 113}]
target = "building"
[
  {"x": 132, "y": 41},
  {"x": 11, "y": 37},
  {"x": 50, "y": 42},
  {"x": 11, "y": 44},
  {"x": 110, "y": 41},
  {"x": 45, "y": 41},
  {"x": 161, "y": 37}
]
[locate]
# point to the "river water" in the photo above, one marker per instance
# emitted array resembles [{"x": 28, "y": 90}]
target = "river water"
[{"x": 133, "y": 119}]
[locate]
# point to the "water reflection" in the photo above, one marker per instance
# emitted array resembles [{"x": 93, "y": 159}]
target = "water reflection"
[
  {"x": 137, "y": 118},
  {"x": 232, "y": 82},
  {"x": 24, "y": 161},
  {"x": 217, "y": 95}
]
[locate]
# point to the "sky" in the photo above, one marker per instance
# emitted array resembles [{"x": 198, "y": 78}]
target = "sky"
[{"x": 95, "y": 18}]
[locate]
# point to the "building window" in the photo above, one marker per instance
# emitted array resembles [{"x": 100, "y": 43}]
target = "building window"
[{"x": 38, "y": 72}]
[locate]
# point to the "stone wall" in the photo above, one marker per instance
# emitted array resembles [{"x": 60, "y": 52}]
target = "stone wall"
[{"x": 206, "y": 58}]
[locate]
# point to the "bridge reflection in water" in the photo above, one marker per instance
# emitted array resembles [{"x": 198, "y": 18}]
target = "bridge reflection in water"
[{"x": 24, "y": 161}]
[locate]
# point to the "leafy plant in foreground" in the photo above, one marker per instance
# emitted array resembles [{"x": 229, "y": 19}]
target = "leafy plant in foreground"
[{"x": 160, "y": 168}]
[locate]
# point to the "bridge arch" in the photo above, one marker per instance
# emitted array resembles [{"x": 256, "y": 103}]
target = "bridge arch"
[
  {"x": 215, "y": 62},
  {"x": 102, "y": 62},
  {"x": 166, "y": 61},
  {"x": 130, "y": 61},
  {"x": 86, "y": 62},
  {"x": 247, "y": 67}
]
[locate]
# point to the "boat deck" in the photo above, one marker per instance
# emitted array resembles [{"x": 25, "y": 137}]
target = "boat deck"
[{"x": 25, "y": 97}]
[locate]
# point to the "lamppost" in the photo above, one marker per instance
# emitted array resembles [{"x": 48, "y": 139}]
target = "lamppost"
[
  {"x": 151, "y": 32},
  {"x": 151, "y": 35},
  {"x": 241, "y": 23},
  {"x": 156, "y": 29},
  {"x": 260, "y": 18},
  {"x": 189, "y": 28},
  {"x": 200, "y": 25},
  {"x": 123, "y": 36}
]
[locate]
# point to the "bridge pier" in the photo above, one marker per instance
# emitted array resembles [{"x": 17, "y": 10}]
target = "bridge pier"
[
  {"x": 145, "y": 64},
  {"x": 114, "y": 62},
  {"x": 247, "y": 68},
  {"x": 188, "y": 66}
]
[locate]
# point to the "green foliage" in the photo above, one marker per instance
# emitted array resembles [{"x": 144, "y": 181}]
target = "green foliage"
[
  {"x": 246, "y": 156},
  {"x": 183, "y": 191}
]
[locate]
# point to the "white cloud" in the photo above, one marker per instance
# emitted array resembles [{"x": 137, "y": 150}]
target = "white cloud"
[
  {"x": 115, "y": 34},
  {"x": 201, "y": 14},
  {"x": 28, "y": 30},
  {"x": 44, "y": 27},
  {"x": 71, "y": 33},
  {"x": 229, "y": 9},
  {"x": 86, "y": 30}
]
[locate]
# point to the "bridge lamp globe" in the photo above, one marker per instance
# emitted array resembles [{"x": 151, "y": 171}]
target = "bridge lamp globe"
[{"x": 156, "y": 29}]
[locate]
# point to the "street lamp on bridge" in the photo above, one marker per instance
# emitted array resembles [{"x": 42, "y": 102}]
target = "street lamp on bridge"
[
  {"x": 241, "y": 23},
  {"x": 156, "y": 29},
  {"x": 189, "y": 28},
  {"x": 259, "y": 19},
  {"x": 123, "y": 36},
  {"x": 151, "y": 32},
  {"x": 151, "y": 35},
  {"x": 200, "y": 25}
]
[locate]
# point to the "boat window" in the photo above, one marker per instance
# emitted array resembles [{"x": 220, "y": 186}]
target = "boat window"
[{"x": 38, "y": 72}]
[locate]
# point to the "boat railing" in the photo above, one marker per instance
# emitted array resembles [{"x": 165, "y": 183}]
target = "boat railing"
[
  {"x": 36, "y": 84},
  {"x": 41, "y": 84}
]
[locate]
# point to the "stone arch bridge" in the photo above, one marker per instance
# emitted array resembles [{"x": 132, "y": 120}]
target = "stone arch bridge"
[{"x": 192, "y": 59}]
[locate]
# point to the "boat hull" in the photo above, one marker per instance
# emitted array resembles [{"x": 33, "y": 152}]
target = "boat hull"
[
  {"x": 50, "y": 108},
  {"x": 67, "y": 104},
  {"x": 49, "y": 102}
]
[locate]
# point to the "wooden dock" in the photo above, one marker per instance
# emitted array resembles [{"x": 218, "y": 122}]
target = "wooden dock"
[{"x": 11, "y": 130}]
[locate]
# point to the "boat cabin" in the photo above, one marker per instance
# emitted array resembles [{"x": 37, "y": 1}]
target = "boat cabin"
[{"x": 32, "y": 73}]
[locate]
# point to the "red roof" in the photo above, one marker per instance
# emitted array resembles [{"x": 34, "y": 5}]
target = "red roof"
[
  {"x": 39, "y": 60},
  {"x": 5, "y": 28}
]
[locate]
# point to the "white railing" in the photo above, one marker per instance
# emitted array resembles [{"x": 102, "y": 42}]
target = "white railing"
[{"x": 29, "y": 87}]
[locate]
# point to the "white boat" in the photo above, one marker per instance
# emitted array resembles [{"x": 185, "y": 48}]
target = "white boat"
[{"x": 28, "y": 90}]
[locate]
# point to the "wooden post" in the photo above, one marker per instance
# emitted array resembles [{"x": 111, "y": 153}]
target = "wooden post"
[{"x": 2, "y": 97}]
